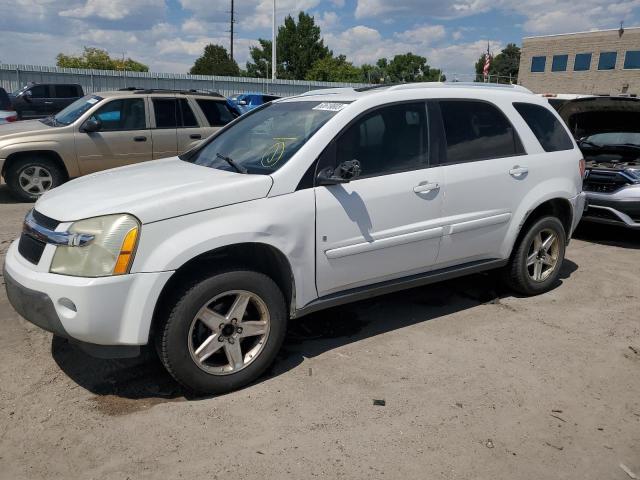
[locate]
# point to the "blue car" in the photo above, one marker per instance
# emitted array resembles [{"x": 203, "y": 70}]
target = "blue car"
[{"x": 245, "y": 102}]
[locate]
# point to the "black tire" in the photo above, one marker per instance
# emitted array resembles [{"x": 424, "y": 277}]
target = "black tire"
[
  {"x": 518, "y": 275},
  {"x": 15, "y": 169},
  {"x": 173, "y": 334}
]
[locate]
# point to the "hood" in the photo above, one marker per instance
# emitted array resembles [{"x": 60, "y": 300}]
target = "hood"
[
  {"x": 586, "y": 116},
  {"x": 13, "y": 130},
  {"x": 151, "y": 191}
]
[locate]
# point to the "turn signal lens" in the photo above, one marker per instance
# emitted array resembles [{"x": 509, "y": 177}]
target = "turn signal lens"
[
  {"x": 582, "y": 167},
  {"x": 126, "y": 252}
]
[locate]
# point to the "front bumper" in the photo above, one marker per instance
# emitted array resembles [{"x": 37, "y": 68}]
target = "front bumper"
[
  {"x": 101, "y": 311},
  {"x": 620, "y": 208}
]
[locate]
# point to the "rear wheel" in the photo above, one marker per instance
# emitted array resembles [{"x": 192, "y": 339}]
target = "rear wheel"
[
  {"x": 223, "y": 332},
  {"x": 535, "y": 264},
  {"x": 29, "y": 178}
]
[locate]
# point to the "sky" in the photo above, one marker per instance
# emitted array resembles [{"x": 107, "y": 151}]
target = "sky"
[{"x": 168, "y": 35}]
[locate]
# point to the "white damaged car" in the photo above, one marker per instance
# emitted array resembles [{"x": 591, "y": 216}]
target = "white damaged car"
[{"x": 306, "y": 203}]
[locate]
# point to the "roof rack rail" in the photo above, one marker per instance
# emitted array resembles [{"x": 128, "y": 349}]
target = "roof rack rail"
[
  {"x": 192, "y": 91},
  {"x": 129, "y": 89}
]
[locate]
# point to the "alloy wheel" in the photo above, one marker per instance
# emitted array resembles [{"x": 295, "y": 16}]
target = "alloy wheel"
[
  {"x": 35, "y": 180},
  {"x": 229, "y": 332},
  {"x": 542, "y": 256}
]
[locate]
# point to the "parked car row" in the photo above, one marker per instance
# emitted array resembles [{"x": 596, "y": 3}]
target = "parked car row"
[{"x": 7, "y": 113}]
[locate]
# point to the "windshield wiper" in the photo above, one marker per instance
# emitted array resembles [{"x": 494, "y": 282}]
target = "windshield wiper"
[{"x": 239, "y": 168}]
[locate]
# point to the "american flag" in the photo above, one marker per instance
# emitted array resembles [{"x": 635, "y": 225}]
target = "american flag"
[{"x": 487, "y": 63}]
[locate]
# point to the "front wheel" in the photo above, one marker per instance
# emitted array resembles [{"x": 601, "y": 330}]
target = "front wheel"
[
  {"x": 535, "y": 263},
  {"x": 29, "y": 178},
  {"x": 223, "y": 332}
]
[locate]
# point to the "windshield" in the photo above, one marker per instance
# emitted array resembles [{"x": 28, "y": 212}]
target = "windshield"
[
  {"x": 263, "y": 141},
  {"x": 614, "y": 138},
  {"x": 74, "y": 111}
]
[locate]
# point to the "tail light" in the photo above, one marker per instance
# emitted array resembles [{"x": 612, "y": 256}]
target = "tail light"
[
  {"x": 582, "y": 167},
  {"x": 12, "y": 118}
]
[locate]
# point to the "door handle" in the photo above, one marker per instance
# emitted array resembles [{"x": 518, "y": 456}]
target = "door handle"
[
  {"x": 48, "y": 103},
  {"x": 518, "y": 171},
  {"x": 195, "y": 136},
  {"x": 425, "y": 187},
  {"x": 141, "y": 138}
]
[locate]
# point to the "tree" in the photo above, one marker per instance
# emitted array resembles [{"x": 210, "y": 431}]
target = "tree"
[
  {"x": 505, "y": 65},
  {"x": 99, "y": 59},
  {"x": 334, "y": 69},
  {"x": 215, "y": 61},
  {"x": 409, "y": 68},
  {"x": 260, "y": 66}
]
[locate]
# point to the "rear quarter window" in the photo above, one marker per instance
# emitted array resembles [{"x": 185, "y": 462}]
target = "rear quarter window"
[{"x": 545, "y": 126}]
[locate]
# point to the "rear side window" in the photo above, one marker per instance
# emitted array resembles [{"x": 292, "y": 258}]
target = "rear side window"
[
  {"x": 545, "y": 126},
  {"x": 165, "y": 112},
  {"x": 66, "y": 91},
  {"x": 476, "y": 130},
  {"x": 217, "y": 113}
]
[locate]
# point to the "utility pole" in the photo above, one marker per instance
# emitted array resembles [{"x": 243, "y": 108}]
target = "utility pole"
[
  {"x": 273, "y": 44},
  {"x": 233, "y": 20}
]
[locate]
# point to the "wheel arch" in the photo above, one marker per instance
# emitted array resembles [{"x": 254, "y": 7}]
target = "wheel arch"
[
  {"x": 255, "y": 256},
  {"x": 50, "y": 155},
  {"x": 557, "y": 207}
]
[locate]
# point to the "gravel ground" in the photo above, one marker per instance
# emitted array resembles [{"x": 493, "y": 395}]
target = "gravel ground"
[{"x": 477, "y": 384}]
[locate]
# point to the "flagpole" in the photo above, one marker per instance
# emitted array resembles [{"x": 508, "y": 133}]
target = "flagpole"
[{"x": 273, "y": 44}]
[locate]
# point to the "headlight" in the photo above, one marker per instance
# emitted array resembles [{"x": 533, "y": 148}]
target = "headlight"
[{"x": 109, "y": 253}]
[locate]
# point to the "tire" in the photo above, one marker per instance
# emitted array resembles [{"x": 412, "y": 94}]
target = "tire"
[
  {"x": 201, "y": 322},
  {"x": 44, "y": 175},
  {"x": 538, "y": 277}
]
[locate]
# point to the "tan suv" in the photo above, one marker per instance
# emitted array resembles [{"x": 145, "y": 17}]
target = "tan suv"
[{"x": 105, "y": 130}]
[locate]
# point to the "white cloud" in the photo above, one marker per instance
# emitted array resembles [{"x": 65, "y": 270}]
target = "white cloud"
[
  {"x": 114, "y": 9},
  {"x": 327, "y": 21},
  {"x": 424, "y": 34}
]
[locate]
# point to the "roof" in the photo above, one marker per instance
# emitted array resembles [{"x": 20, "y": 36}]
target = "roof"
[
  {"x": 352, "y": 94},
  {"x": 160, "y": 92},
  {"x": 582, "y": 33}
]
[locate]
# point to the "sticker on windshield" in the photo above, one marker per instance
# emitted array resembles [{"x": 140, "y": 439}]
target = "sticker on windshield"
[
  {"x": 92, "y": 101},
  {"x": 330, "y": 106}
]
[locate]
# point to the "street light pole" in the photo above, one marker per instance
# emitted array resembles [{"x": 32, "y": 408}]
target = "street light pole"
[{"x": 273, "y": 44}]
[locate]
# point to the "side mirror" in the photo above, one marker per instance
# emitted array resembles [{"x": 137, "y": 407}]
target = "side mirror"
[
  {"x": 27, "y": 95},
  {"x": 344, "y": 173},
  {"x": 91, "y": 125}
]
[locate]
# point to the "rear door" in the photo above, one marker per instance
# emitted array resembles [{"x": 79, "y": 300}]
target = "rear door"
[
  {"x": 124, "y": 138},
  {"x": 164, "y": 128},
  {"x": 485, "y": 175}
]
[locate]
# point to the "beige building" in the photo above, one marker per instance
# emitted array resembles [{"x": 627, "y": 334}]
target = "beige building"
[{"x": 604, "y": 62}]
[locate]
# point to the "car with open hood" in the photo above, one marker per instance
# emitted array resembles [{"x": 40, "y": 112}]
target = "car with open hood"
[
  {"x": 607, "y": 130},
  {"x": 303, "y": 204}
]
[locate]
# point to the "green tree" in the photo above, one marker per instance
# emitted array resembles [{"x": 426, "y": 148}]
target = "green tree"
[
  {"x": 334, "y": 69},
  {"x": 409, "y": 68},
  {"x": 215, "y": 61},
  {"x": 99, "y": 59},
  {"x": 260, "y": 64},
  {"x": 505, "y": 65}
]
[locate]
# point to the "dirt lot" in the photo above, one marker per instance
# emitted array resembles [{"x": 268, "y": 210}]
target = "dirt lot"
[{"x": 478, "y": 384}]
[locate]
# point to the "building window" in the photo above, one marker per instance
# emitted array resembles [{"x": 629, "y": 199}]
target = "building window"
[
  {"x": 607, "y": 60},
  {"x": 538, "y": 64},
  {"x": 582, "y": 62},
  {"x": 632, "y": 59},
  {"x": 559, "y": 63}
]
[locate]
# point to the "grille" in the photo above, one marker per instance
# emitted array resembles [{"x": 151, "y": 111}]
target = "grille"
[
  {"x": 30, "y": 248},
  {"x": 603, "y": 181},
  {"x": 601, "y": 187}
]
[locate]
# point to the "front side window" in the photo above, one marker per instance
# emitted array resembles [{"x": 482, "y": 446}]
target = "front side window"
[
  {"x": 607, "y": 61},
  {"x": 389, "y": 139},
  {"x": 582, "y": 62},
  {"x": 74, "y": 111},
  {"x": 264, "y": 140},
  {"x": 538, "y": 64},
  {"x": 216, "y": 112},
  {"x": 545, "y": 126},
  {"x": 476, "y": 131},
  {"x": 122, "y": 115},
  {"x": 559, "y": 63},
  {"x": 40, "y": 91},
  {"x": 632, "y": 59}
]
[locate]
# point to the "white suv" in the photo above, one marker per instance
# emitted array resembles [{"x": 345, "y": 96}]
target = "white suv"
[{"x": 306, "y": 203}]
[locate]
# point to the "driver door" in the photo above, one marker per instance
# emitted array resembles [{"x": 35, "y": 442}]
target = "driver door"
[
  {"x": 384, "y": 224},
  {"x": 124, "y": 136}
]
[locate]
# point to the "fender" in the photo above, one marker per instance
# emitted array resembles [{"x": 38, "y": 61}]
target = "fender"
[
  {"x": 284, "y": 223},
  {"x": 67, "y": 155}
]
